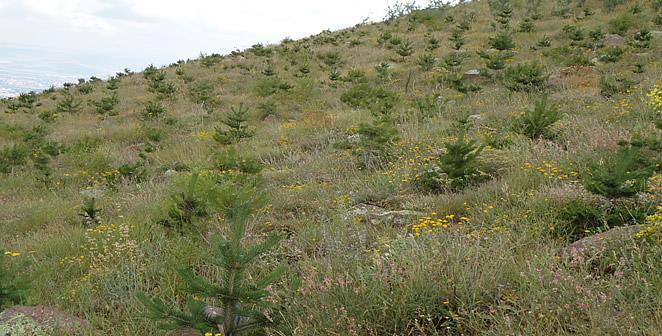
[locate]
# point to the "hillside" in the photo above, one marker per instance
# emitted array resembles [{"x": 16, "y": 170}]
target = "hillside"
[{"x": 486, "y": 168}]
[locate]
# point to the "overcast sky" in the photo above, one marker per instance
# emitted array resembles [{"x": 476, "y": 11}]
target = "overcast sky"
[{"x": 163, "y": 31}]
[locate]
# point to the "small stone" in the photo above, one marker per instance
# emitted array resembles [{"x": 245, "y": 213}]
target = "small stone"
[
  {"x": 471, "y": 74},
  {"x": 379, "y": 216}
]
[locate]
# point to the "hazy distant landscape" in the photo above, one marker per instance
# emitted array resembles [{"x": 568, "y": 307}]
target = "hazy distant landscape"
[{"x": 26, "y": 68}]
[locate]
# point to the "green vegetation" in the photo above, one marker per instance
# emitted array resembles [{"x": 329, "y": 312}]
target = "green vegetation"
[{"x": 425, "y": 175}]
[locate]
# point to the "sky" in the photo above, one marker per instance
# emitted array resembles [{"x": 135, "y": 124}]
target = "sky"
[{"x": 141, "y": 32}]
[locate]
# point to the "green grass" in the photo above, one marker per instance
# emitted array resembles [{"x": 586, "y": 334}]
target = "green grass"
[{"x": 497, "y": 273}]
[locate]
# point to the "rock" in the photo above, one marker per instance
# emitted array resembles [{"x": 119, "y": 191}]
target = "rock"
[
  {"x": 379, "y": 216},
  {"x": 597, "y": 244},
  {"x": 472, "y": 74},
  {"x": 92, "y": 193},
  {"x": 611, "y": 40},
  {"x": 38, "y": 321},
  {"x": 170, "y": 172}
]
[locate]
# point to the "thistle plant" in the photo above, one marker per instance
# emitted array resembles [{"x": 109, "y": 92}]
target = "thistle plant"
[
  {"x": 239, "y": 291},
  {"x": 90, "y": 212},
  {"x": 236, "y": 124}
]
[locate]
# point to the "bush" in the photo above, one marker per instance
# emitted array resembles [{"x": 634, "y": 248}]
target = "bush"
[
  {"x": 375, "y": 141},
  {"x": 457, "y": 39},
  {"x": 13, "y": 157},
  {"x": 621, "y": 24},
  {"x": 68, "y": 104},
  {"x": 525, "y": 77},
  {"x": 237, "y": 129},
  {"x": 427, "y": 62},
  {"x": 405, "y": 49},
  {"x": 378, "y": 100},
  {"x": 232, "y": 160},
  {"x": 625, "y": 173},
  {"x": 581, "y": 217},
  {"x": 12, "y": 290},
  {"x": 642, "y": 39},
  {"x": 187, "y": 205},
  {"x": 203, "y": 93},
  {"x": 536, "y": 123},
  {"x": 153, "y": 109},
  {"x": 495, "y": 60},
  {"x": 456, "y": 169},
  {"x": 107, "y": 105},
  {"x": 526, "y": 26},
  {"x": 457, "y": 82},
  {"x": 453, "y": 61},
  {"x": 502, "y": 41},
  {"x": 90, "y": 212},
  {"x": 270, "y": 86},
  {"x": 613, "y": 85},
  {"x": 612, "y": 54}
]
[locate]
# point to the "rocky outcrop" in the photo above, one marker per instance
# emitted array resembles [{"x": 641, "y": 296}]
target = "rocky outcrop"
[
  {"x": 597, "y": 244},
  {"x": 612, "y": 40}
]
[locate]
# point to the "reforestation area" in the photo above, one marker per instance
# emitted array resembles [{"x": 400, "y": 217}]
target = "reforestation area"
[{"x": 483, "y": 168}]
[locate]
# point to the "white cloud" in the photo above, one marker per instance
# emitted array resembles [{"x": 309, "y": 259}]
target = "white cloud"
[{"x": 78, "y": 14}]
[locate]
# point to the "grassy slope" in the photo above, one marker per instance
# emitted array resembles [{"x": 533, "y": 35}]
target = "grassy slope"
[{"x": 499, "y": 272}]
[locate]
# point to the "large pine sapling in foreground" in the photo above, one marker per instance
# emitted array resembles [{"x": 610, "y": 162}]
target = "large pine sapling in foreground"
[{"x": 241, "y": 295}]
